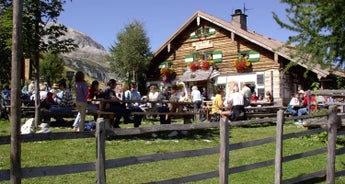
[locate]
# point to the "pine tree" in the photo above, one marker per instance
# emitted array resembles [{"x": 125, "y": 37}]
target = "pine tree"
[
  {"x": 320, "y": 31},
  {"x": 130, "y": 55}
]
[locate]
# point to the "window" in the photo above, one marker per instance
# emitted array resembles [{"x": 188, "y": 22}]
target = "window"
[
  {"x": 260, "y": 79},
  {"x": 261, "y": 91},
  {"x": 202, "y": 31},
  {"x": 166, "y": 64},
  {"x": 251, "y": 55},
  {"x": 216, "y": 56}
]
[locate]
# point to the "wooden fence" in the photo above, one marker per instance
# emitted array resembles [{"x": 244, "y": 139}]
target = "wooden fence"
[{"x": 101, "y": 164}]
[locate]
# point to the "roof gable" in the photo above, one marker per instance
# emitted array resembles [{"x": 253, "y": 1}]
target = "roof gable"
[{"x": 265, "y": 42}]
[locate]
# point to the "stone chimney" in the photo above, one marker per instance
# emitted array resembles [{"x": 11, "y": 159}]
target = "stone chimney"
[{"x": 239, "y": 19}]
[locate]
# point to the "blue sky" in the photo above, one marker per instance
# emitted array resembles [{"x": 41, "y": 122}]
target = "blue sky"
[{"x": 103, "y": 19}]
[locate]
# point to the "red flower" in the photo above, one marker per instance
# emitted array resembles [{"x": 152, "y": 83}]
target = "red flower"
[{"x": 205, "y": 65}]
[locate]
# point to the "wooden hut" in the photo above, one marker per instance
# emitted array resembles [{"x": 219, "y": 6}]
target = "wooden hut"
[{"x": 209, "y": 52}]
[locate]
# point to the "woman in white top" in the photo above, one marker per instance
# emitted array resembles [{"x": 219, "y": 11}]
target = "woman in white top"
[
  {"x": 294, "y": 104},
  {"x": 154, "y": 95}
]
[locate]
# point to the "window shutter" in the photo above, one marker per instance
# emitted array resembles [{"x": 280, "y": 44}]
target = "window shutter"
[
  {"x": 254, "y": 56},
  {"x": 165, "y": 64},
  {"x": 217, "y": 56},
  {"x": 189, "y": 58}
]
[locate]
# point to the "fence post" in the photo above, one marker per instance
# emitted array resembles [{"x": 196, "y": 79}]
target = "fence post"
[
  {"x": 224, "y": 151},
  {"x": 279, "y": 146},
  {"x": 100, "y": 152},
  {"x": 333, "y": 123}
]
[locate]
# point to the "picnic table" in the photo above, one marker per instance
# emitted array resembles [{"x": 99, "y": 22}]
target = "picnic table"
[
  {"x": 259, "y": 111},
  {"x": 184, "y": 110},
  {"x": 261, "y": 103}
]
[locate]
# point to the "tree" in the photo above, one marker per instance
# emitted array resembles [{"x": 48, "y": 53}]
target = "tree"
[
  {"x": 5, "y": 41},
  {"x": 320, "y": 28},
  {"x": 130, "y": 56},
  {"x": 51, "y": 66},
  {"x": 39, "y": 37},
  {"x": 17, "y": 57}
]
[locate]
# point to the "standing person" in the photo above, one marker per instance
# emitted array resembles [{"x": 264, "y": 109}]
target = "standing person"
[
  {"x": 115, "y": 105},
  {"x": 237, "y": 105},
  {"x": 247, "y": 93},
  {"x": 196, "y": 98},
  {"x": 204, "y": 94},
  {"x": 81, "y": 92}
]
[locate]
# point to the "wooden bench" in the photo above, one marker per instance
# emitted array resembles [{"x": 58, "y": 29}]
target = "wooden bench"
[{"x": 186, "y": 116}]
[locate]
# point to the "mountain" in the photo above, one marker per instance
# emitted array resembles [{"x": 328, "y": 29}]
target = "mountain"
[{"x": 90, "y": 57}]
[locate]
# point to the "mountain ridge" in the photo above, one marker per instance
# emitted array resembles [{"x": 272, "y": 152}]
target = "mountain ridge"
[{"x": 90, "y": 57}]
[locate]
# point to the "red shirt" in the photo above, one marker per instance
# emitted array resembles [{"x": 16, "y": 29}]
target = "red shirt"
[{"x": 312, "y": 102}]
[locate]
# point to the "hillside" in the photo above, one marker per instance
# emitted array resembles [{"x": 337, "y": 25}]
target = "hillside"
[{"x": 90, "y": 57}]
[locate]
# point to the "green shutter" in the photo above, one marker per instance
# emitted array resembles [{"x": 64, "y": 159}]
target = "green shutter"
[
  {"x": 217, "y": 56},
  {"x": 211, "y": 31},
  {"x": 254, "y": 56},
  {"x": 193, "y": 35},
  {"x": 165, "y": 64},
  {"x": 189, "y": 58}
]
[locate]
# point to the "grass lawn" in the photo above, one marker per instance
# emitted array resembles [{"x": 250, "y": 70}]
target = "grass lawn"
[{"x": 61, "y": 152}]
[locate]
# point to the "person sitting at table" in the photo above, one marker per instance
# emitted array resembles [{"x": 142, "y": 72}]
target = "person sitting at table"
[
  {"x": 166, "y": 119},
  {"x": 254, "y": 97},
  {"x": 115, "y": 106},
  {"x": 305, "y": 109},
  {"x": 154, "y": 96},
  {"x": 134, "y": 107},
  {"x": 64, "y": 101},
  {"x": 294, "y": 105},
  {"x": 269, "y": 97},
  {"x": 217, "y": 105}
]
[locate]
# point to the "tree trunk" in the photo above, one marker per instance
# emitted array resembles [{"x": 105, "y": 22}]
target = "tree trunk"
[
  {"x": 37, "y": 66},
  {"x": 17, "y": 62}
]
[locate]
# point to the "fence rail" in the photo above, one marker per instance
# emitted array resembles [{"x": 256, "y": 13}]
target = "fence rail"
[{"x": 100, "y": 165}]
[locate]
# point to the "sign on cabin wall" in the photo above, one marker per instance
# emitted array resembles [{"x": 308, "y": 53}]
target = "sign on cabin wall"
[{"x": 202, "y": 45}]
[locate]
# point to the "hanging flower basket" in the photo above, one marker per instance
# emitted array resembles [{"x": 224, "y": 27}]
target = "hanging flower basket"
[
  {"x": 242, "y": 65},
  {"x": 205, "y": 65},
  {"x": 167, "y": 74},
  {"x": 194, "y": 66}
]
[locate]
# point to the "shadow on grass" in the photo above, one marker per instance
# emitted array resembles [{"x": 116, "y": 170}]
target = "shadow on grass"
[{"x": 189, "y": 135}]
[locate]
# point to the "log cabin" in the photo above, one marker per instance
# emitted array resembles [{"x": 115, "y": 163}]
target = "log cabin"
[{"x": 209, "y": 52}]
